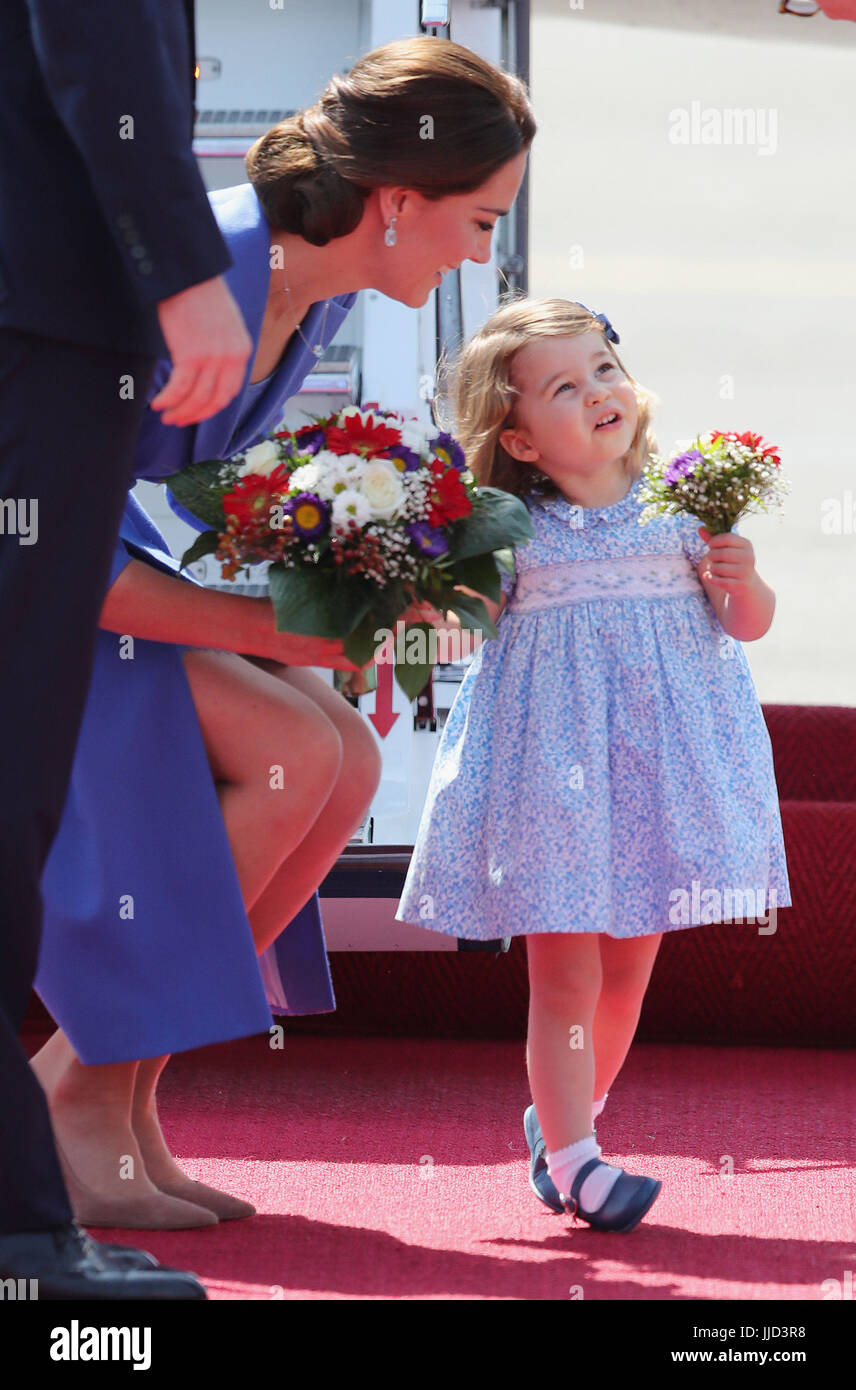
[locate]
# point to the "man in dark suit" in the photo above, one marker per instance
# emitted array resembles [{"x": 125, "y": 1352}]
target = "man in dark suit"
[{"x": 109, "y": 257}]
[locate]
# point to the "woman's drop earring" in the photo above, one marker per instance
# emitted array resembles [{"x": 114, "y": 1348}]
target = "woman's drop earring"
[{"x": 390, "y": 236}]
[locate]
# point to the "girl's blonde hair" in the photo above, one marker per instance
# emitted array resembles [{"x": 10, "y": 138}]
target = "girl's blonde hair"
[
  {"x": 479, "y": 388},
  {"x": 313, "y": 172}
]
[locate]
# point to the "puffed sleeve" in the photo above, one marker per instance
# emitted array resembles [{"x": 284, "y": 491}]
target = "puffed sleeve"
[
  {"x": 693, "y": 545},
  {"x": 508, "y": 581}
]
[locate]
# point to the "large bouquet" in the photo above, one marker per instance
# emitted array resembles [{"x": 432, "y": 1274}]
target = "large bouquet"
[
  {"x": 360, "y": 515},
  {"x": 717, "y": 479}
]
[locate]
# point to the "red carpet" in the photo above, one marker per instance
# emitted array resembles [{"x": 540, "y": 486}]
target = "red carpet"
[{"x": 397, "y": 1168}]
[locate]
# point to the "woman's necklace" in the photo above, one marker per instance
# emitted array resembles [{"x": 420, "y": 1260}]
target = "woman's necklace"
[{"x": 318, "y": 350}]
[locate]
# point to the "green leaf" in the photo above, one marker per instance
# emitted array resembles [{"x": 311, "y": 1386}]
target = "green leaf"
[
  {"x": 205, "y": 544},
  {"x": 312, "y": 602},
  {"x": 505, "y": 521},
  {"x": 412, "y": 676},
  {"x": 199, "y": 489},
  {"x": 360, "y": 645},
  {"x": 480, "y": 572}
]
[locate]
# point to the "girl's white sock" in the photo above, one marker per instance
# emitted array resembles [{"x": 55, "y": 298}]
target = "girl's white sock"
[{"x": 564, "y": 1165}]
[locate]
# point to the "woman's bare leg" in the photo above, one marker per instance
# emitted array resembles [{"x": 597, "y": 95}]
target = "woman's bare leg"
[
  {"x": 90, "y": 1109},
  {"x": 301, "y": 871},
  {"x": 274, "y": 754},
  {"x": 288, "y": 891},
  {"x": 249, "y": 722}
]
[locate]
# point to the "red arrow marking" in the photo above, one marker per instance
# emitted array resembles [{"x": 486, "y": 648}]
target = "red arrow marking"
[{"x": 383, "y": 717}]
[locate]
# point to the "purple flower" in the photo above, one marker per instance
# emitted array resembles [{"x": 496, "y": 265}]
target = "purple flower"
[
  {"x": 310, "y": 439},
  {"x": 411, "y": 460},
  {"x": 309, "y": 515},
  {"x": 681, "y": 466},
  {"x": 448, "y": 445},
  {"x": 427, "y": 538}
]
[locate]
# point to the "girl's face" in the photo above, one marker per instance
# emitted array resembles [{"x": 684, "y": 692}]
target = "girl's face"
[
  {"x": 577, "y": 414},
  {"x": 435, "y": 237}
]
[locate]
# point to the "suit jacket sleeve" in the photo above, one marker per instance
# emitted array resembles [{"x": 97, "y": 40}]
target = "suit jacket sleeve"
[{"x": 118, "y": 72}]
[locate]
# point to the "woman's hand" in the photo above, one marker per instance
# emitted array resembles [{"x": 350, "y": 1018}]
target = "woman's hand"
[
  {"x": 730, "y": 561},
  {"x": 293, "y": 650},
  {"x": 144, "y": 602}
]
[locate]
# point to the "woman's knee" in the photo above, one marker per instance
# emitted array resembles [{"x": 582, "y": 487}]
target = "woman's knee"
[
  {"x": 309, "y": 748},
  {"x": 362, "y": 763}
]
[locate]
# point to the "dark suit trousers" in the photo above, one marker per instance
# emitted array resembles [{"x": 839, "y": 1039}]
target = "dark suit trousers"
[{"x": 67, "y": 448}]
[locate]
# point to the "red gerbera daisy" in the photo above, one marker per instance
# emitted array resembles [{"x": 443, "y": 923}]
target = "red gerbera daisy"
[
  {"x": 369, "y": 439},
  {"x": 253, "y": 495},
  {"x": 755, "y": 442},
  {"x": 448, "y": 496}
]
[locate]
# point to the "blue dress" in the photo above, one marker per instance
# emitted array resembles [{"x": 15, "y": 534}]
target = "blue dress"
[
  {"x": 605, "y": 766},
  {"x": 146, "y": 946}
]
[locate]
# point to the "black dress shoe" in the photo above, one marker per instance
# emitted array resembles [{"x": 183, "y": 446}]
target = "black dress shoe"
[
  {"x": 68, "y": 1264},
  {"x": 128, "y": 1256},
  {"x": 125, "y": 1256}
]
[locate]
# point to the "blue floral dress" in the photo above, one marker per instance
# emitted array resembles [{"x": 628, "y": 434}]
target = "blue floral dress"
[{"x": 605, "y": 766}]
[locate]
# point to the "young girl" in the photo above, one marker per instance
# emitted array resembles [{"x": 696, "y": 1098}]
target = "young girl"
[{"x": 607, "y": 750}]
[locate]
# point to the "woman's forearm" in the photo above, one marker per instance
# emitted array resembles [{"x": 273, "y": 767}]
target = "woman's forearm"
[{"x": 147, "y": 603}]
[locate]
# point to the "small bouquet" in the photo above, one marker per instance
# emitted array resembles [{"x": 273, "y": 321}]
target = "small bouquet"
[
  {"x": 360, "y": 515},
  {"x": 717, "y": 479}
]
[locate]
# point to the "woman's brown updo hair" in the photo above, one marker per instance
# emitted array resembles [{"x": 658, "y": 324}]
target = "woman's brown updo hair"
[{"x": 313, "y": 172}]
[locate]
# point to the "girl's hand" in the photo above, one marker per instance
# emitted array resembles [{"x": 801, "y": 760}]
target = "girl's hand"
[
  {"x": 730, "y": 563},
  {"x": 421, "y": 613}
]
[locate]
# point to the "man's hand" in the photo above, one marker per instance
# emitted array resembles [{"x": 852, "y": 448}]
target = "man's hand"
[{"x": 209, "y": 346}]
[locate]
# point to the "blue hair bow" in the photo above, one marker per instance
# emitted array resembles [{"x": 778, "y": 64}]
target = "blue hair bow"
[{"x": 608, "y": 329}]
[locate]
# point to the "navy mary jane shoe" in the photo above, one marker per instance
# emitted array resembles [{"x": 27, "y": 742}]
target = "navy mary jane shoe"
[
  {"x": 625, "y": 1205},
  {"x": 539, "y": 1178}
]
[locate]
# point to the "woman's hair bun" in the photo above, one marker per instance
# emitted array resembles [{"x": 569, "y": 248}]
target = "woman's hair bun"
[
  {"x": 299, "y": 189},
  {"x": 422, "y": 113}
]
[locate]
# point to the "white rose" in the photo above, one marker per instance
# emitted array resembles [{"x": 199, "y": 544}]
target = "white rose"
[
  {"x": 261, "y": 459},
  {"x": 351, "y": 505},
  {"x": 381, "y": 486}
]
